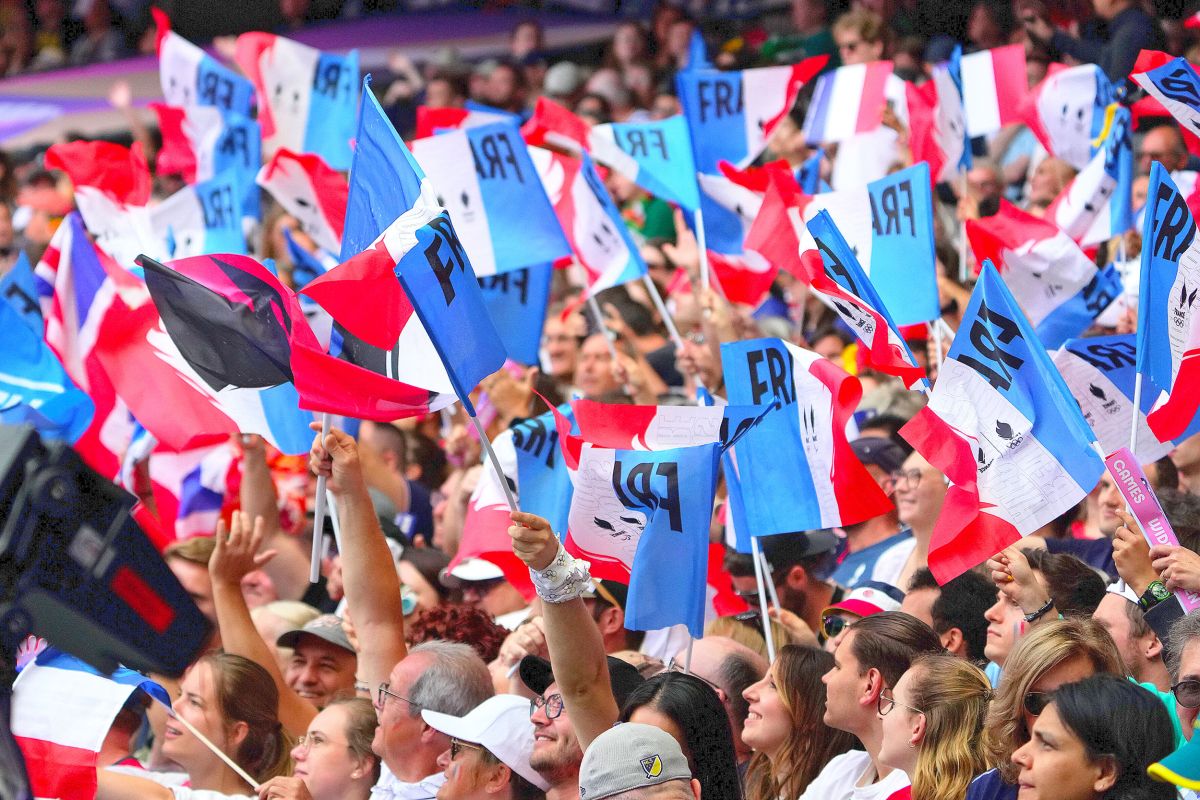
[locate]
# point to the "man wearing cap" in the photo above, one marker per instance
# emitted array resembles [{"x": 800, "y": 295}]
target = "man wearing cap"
[
  {"x": 636, "y": 762},
  {"x": 483, "y": 585},
  {"x": 872, "y": 597},
  {"x": 877, "y": 548},
  {"x": 323, "y": 660},
  {"x": 489, "y": 752},
  {"x": 556, "y": 752}
]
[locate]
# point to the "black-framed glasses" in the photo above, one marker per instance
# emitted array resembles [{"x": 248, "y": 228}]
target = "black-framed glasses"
[
  {"x": 1035, "y": 703},
  {"x": 832, "y": 625},
  {"x": 384, "y": 693},
  {"x": 553, "y": 704},
  {"x": 910, "y": 476},
  {"x": 458, "y": 745},
  {"x": 887, "y": 701},
  {"x": 1187, "y": 693}
]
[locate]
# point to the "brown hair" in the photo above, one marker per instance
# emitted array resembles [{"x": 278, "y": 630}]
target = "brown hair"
[
  {"x": 867, "y": 24},
  {"x": 953, "y": 695},
  {"x": 890, "y": 641},
  {"x": 360, "y": 729},
  {"x": 797, "y": 673},
  {"x": 245, "y": 692}
]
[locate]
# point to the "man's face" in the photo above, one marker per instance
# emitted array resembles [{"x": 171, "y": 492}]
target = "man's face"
[
  {"x": 496, "y": 597},
  {"x": 1109, "y": 502},
  {"x": 1006, "y": 624},
  {"x": 1162, "y": 145},
  {"x": 319, "y": 671},
  {"x": 1189, "y": 670},
  {"x": 844, "y": 685},
  {"x": 919, "y": 603},
  {"x": 195, "y": 580},
  {"x": 1187, "y": 460},
  {"x": 593, "y": 372},
  {"x": 1111, "y": 614},
  {"x": 400, "y": 723},
  {"x": 556, "y": 753}
]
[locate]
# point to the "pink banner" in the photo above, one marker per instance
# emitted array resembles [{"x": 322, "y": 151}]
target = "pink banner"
[{"x": 1131, "y": 480}]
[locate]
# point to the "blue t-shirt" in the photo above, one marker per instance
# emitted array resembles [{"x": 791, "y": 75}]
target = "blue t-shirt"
[
  {"x": 990, "y": 786},
  {"x": 858, "y": 566}
]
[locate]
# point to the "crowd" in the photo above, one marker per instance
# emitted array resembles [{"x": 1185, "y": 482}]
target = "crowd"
[{"x": 1061, "y": 669}]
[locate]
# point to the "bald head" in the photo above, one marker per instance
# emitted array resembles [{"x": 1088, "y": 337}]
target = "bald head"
[
  {"x": 730, "y": 667},
  {"x": 1163, "y": 144}
]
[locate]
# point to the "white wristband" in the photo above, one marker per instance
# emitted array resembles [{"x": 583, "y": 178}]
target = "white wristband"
[{"x": 565, "y": 579}]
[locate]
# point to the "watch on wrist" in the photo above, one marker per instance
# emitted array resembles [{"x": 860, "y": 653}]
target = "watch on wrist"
[{"x": 1155, "y": 593}]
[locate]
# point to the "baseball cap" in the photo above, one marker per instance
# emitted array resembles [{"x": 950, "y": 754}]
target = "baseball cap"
[
  {"x": 500, "y": 724},
  {"x": 880, "y": 451},
  {"x": 1181, "y": 768},
  {"x": 470, "y": 570},
  {"x": 537, "y": 675},
  {"x": 327, "y": 627},
  {"x": 788, "y": 549},
  {"x": 614, "y": 593},
  {"x": 630, "y": 756},
  {"x": 1122, "y": 588},
  {"x": 870, "y": 597}
]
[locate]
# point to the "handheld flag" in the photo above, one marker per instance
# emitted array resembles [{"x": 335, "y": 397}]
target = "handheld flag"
[
  {"x": 997, "y": 83},
  {"x": 937, "y": 121},
  {"x": 305, "y": 265},
  {"x": 1002, "y": 426},
  {"x": 1068, "y": 112},
  {"x": 191, "y": 77},
  {"x": 848, "y": 101},
  {"x": 204, "y": 218},
  {"x": 1097, "y": 204},
  {"x": 311, "y": 192},
  {"x": 655, "y": 154},
  {"x": 1176, "y": 85},
  {"x": 189, "y": 486},
  {"x": 516, "y": 301},
  {"x": 432, "y": 121},
  {"x": 623, "y": 427}
]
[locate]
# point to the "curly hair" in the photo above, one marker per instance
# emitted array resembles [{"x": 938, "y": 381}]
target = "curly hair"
[{"x": 465, "y": 624}]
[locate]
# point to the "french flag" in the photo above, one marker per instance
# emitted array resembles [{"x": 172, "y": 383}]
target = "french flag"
[
  {"x": 732, "y": 114},
  {"x": 1099, "y": 372},
  {"x": 938, "y": 124},
  {"x": 1176, "y": 86},
  {"x": 589, "y": 217},
  {"x": 994, "y": 88},
  {"x": 1058, "y": 286},
  {"x": 848, "y": 101},
  {"x": 1002, "y": 426},
  {"x": 1067, "y": 112},
  {"x": 191, "y": 77},
  {"x": 189, "y": 486},
  {"x": 307, "y": 99},
  {"x": 485, "y": 179},
  {"x": 61, "y": 711},
  {"x": 432, "y": 121},
  {"x": 311, "y": 191},
  {"x": 203, "y": 218},
  {"x": 623, "y": 427},
  {"x": 1168, "y": 334},
  {"x": 1097, "y": 204},
  {"x": 796, "y": 466}
]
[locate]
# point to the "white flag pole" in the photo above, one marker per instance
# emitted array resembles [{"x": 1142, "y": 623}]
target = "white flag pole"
[
  {"x": 702, "y": 246},
  {"x": 672, "y": 331},
  {"x": 318, "y": 535},
  {"x": 762, "y": 599}
]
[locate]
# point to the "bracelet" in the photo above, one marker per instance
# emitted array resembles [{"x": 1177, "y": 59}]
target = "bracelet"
[
  {"x": 1033, "y": 617},
  {"x": 565, "y": 579}
]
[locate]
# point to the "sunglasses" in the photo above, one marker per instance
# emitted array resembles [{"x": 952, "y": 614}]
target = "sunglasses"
[
  {"x": 1187, "y": 693},
  {"x": 458, "y": 745},
  {"x": 833, "y": 624},
  {"x": 1035, "y": 702}
]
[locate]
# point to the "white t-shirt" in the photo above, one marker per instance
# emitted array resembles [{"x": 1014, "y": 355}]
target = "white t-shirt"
[
  {"x": 837, "y": 781},
  {"x": 389, "y": 787}
]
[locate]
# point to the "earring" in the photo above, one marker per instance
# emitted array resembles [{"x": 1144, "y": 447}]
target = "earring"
[{"x": 356, "y": 774}]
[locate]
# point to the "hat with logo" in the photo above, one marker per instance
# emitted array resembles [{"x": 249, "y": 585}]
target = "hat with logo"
[
  {"x": 869, "y": 597},
  {"x": 628, "y": 757},
  {"x": 499, "y": 724},
  {"x": 327, "y": 627},
  {"x": 614, "y": 593}
]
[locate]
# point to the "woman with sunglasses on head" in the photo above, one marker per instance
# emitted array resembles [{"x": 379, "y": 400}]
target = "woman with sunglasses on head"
[
  {"x": 333, "y": 760},
  {"x": 933, "y": 726},
  {"x": 785, "y": 726},
  {"x": 1093, "y": 741}
]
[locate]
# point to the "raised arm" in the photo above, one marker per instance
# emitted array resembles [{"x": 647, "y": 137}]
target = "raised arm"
[
  {"x": 368, "y": 573},
  {"x": 235, "y": 555},
  {"x": 576, "y": 647},
  {"x": 258, "y": 498}
]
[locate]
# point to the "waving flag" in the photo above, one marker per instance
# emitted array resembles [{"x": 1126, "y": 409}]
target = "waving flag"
[
  {"x": 847, "y": 101},
  {"x": 1175, "y": 85},
  {"x": 432, "y": 121},
  {"x": 1002, "y": 426},
  {"x": 516, "y": 301},
  {"x": 305, "y": 265},
  {"x": 937, "y": 121},
  {"x": 311, "y": 192},
  {"x": 626, "y": 427},
  {"x": 191, "y": 77},
  {"x": 1099, "y": 371},
  {"x": 189, "y": 486},
  {"x": 61, "y": 758},
  {"x": 732, "y": 114},
  {"x": 1068, "y": 112},
  {"x": 204, "y": 218},
  {"x": 486, "y": 180},
  {"x": 1097, "y": 204},
  {"x": 201, "y": 142},
  {"x": 1059, "y": 288},
  {"x": 589, "y": 217},
  {"x": 996, "y": 88},
  {"x": 1168, "y": 335},
  {"x": 306, "y": 98},
  {"x": 33, "y": 386},
  {"x": 797, "y": 469},
  {"x": 889, "y": 226},
  {"x": 808, "y": 174},
  {"x": 654, "y": 154}
]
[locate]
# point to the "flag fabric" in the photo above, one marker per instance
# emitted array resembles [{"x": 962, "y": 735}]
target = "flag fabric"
[
  {"x": 796, "y": 467},
  {"x": 728, "y": 210},
  {"x": 204, "y": 218},
  {"x": 34, "y": 388},
  {"x": 485, "y": 179},
  {"x": 189, "y": 486},
  {"x": 1058, "y": 287},
  {"x": 1175, "y": 85},
  {"x": 732, "y": 114},
  {"x": 808, "y": 174},
  {"x": 306, "y": 97},
  {"x": 310, "y": 191},
  {"x": 588, "y": 216},
  {"x": 997, "y": 83},
  {"x": 937, "y": 121},
  {"x": 191, "y": 77},
  {"x": 654, "y": 154},
  {"x": 847, "y": 101},
  {"x": 1002, "y": 426},
  {"x": 697, "y": 53},
  {"x": 61, "y": 758},
  {"x": 889, "y": 226},
  {"x": 1097, "y": 204},
  {"x": 1100, "y": 371},
  {"x": 1068, "y": 112},
  {"x": 305, "y": 265},
  {"x": 626, "y": 427},
  {"x": 1168, "y": 334},
  {"x": 554, "y": 125},
  {"x": 516, "y": 301},
  {"x": 432, "y": 121}
]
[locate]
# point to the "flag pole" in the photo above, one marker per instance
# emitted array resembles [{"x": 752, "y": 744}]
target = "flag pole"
[
  {"x": 229, "y": 762},
  {"x": 1137, "y": 409},
  {"x": 936, "y": 329},
  {"x": 772, "y": 592},
  {"x": 962, "y": 245},
  {"x": 318, "y": 540},
  {"x": 687, "y": 663},
  {"x": 594, "y": 307},
  {"x": 491, "y": 455},
  {"x": 762, "y": 599},
  {"x": 702, "y": 247},
  {"x": 672, "y": 331}
]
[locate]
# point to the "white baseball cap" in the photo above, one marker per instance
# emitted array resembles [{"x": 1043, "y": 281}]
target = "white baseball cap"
[
  {"x": 470, "y": 570},
  {"x": 501, "y": 725}
]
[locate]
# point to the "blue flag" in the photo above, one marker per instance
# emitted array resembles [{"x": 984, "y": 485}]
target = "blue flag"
[
  {"x": 654, "y": 154},
  {"x": 543, "y": 481},
  {"x": 808, "y": 174},
  {"x": 203, "y": 218},
  {"x": 516, "y": 302},
  {"x": 305, "y": 265}
]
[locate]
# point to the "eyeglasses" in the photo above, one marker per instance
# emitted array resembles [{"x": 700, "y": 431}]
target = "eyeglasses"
[
  {"x": 307, "y": 743},
  {"x": 1187, "y": 693},
  {"x": 458, "y": 745},
  {"x": 849, "y": 47},
  {"x": 1035, "y": 703},
  {"x": 675, "y": 666},
  {"x": 833, "y": 624},
  {"x": 911, "y": 476},
  {"x": 553, "y": 704},
  {"x": 887, "y": 702},
  {"x": 384, "y": 693}
]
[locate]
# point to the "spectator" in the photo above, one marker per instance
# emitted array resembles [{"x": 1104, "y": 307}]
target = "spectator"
[
  {"x": 616, "y": 766},
  {"x": 1127, "y": 31},
  {"x": 920, "y": 492},
  {"x": 955, "y": 611},
  {"x": 1138, "y": 644},
  {"x": 798, "y": 564},
  {"x": 483, "y": 585},
  {"x": 1164, "y": 144},
  {"x": 326, "y": 768},
  {"x": 275, "y": 619},
  {"x": 877, "y": 548},
  {"x": 468, "y": 625},
  {"x": 865, "y": 600}
]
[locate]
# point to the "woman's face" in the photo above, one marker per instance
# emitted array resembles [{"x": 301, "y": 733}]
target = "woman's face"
[
  {"x": 197, "y": 704},
  {"x": 768, "y": 721},
  {"x": 1069, "y": 670},
  {"x": 903, "y": 728},
  {"x": 1055, "y": 766},
  {"x": 324, "y": 760},
  {"x": 628, "y": 45}
]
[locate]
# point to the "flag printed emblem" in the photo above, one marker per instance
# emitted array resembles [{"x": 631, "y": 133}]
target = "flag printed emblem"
[{"x": 652, "y": 766}]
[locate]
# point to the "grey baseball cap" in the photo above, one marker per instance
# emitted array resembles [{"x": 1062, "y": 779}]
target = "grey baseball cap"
[
  {"x": 327, "y": 627},
  {"x": 630, "y": 756}
]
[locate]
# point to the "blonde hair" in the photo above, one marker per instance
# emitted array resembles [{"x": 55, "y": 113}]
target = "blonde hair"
[
  {"x": 867, "y": 24},
  {"x": 293, "y": 612},
  {"x": 953, "y": 694},
  {"x": 748, "y": 634},
  {"x": 1041, "y": 650}
]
